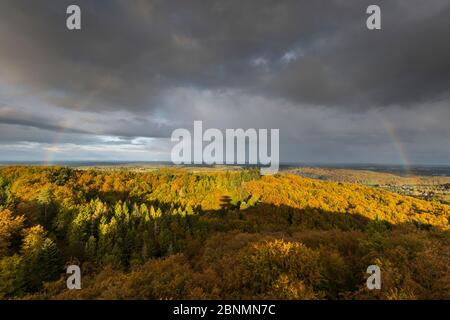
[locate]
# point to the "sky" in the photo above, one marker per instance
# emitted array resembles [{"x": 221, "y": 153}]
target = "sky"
[{"x": 116, "y": 89}]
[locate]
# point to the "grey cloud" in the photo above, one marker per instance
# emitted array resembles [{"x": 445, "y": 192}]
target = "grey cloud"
[
  {"x": 36, "y": 122},
  {"x": 126, "y": 54}
]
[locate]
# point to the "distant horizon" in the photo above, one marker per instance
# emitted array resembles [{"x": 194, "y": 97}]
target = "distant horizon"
[{"x": 356, "y": 164}]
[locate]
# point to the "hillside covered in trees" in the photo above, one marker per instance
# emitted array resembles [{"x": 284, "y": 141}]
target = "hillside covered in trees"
[
  {"x": 433, "y": 186},
  {"x": 177, "y": 234}
]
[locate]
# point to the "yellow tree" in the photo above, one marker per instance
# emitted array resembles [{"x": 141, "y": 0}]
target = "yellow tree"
[{"x": 10, "y": 227}]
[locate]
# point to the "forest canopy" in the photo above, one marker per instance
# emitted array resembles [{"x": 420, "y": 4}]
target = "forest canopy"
[{"x": 178, "y": 234}]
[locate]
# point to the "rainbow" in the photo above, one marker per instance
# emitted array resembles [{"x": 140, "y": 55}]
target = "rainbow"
[{"x": 396, "y": 141}]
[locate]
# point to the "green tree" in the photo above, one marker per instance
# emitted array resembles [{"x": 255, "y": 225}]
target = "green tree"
[
  {"x": 45, "y": 200},
  {"x": 11, "y": 281},
  {"x": 10, "y": 228},
  {"x": 41, "y": 259}
]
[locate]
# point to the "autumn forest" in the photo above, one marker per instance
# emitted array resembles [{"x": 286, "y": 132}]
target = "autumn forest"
[{"x": 175, "y": 233}]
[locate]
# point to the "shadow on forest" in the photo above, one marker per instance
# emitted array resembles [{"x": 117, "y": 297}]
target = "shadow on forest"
[
  {"x": 258, "y": 218},
  {"x": 264, "y": 213},
  {"x": 188, "y": 233},
  {"x": 270, "y": 218}
]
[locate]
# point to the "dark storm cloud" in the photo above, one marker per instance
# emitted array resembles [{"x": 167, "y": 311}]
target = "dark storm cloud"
[
  {"x": 124, "y": 126},
  {"x": 138, "y": 68},
  {"x": 316, "y": 52},
  {"x": 38, "y": 123}
]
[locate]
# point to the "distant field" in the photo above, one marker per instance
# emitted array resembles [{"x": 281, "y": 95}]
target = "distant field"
[
  {"x": 428, "y": 187},
  {"x": 368, "y": 177}
]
